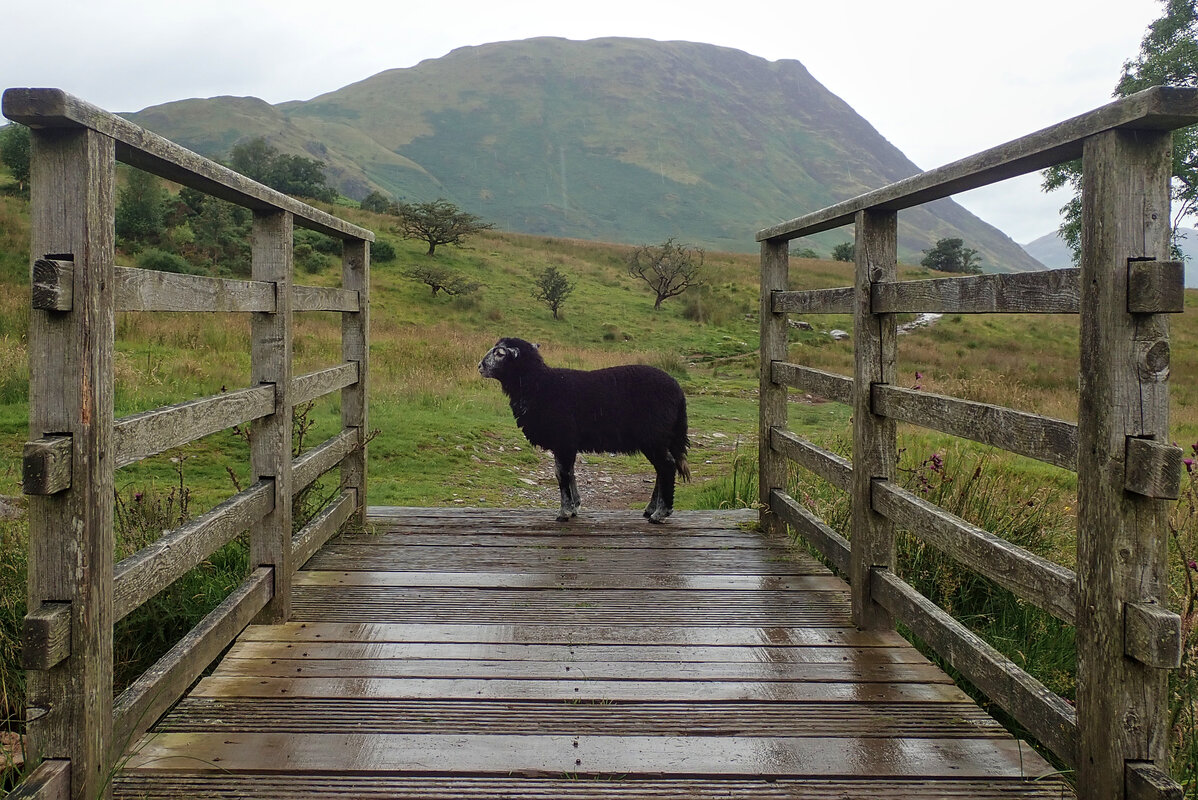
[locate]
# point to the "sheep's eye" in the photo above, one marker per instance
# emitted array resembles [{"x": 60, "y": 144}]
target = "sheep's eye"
[{"x": 500, "y": 352}]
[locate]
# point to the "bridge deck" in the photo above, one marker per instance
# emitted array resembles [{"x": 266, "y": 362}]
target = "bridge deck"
[{"x": 464, "y": 653}]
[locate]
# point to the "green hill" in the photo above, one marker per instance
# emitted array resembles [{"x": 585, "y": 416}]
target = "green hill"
[{"x": 622, "y": 140}]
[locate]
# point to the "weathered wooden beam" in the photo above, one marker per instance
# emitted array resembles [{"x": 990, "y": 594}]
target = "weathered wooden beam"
[
  {"x": 1153, "y": 469},
  {"x": 815, "y": 301},
  {"x": 1051, "y": 292},
  {"x": 875, "y": 450},
  {"x": 772, "y": 398},
  {"x": 1155, "y": 287},
  {"x": 46, "y": 465},
  {"x": 316, "y": 384},
  {"x": 1146, "y": 781},
  {"x": 54, "y": 108},
  {"x": 1152, "y": 635},
  {"x": 139, "y": 706},
  {"x": 311, "y": 464},
  {"x": 149, "y": 290},
  {"x": 270, "y": 438},
  {"x": 1045, "y": 439},
  {"x": 324, "y": 298},
  {"x": 51, "y": 780},
  {"x": 53, "y": 284},
  {"x": 1048, "y": 717},
  {"x": 1037, "y": 580},
  {"x": 320, "y": 528},
  {"x": 1160, "y": 108},
  {"x": 71, "y": 202},
  {"x": 824, "y": 463},
  {"x": 1122, "y": 542},
  {"x": 814, "y": 531},
  {"x": 827, "y": 385},
  {"x": 46, "y": 636},
  {"x": 151, "y": 432},
  {"x": 156, "y": 566},
  {"x": 355, "y": 347}
]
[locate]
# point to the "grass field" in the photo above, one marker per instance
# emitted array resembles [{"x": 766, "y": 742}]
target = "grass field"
[{"x": 446, "y": 436}]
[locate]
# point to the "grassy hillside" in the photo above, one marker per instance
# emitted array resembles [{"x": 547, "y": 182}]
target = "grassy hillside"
[
  {"x": 446, "y": 436},
  {"x": 623, "y": 140}
]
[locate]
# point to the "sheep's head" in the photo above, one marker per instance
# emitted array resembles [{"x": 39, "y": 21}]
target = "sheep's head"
[{"x": 508, "y": 358}]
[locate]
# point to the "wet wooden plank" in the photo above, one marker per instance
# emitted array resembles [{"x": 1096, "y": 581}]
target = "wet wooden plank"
[
  {"x": 860, "y": 671},
  {"x": 189, "y": 784},
  {"x": 523, "y": 717},
  {"x": 544, "y": 580},
  {"x": 588, "y": 755},
  {"x": 581, "y": 690},
  {"x": 520, "y": 537},
  {"x": 775, "y": 561},
  {"x": 612, "y": 653},
  {"x": 748, "y": 636}
]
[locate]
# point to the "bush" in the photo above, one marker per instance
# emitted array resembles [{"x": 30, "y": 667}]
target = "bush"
[
  {"x": 382, "y": 251},
  {"x": 162, "y": 261}
]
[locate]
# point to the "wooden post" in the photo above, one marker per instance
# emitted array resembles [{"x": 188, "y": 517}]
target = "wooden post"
[
  {"x": 772, "y": 466},
  {"x": 270, "y": 437},
  {"x": 69, "y": 705},
  {"x": 355, "y": 346},
  {"x": 873, "y": 436},
  {"x": 1122, "y": 545}
]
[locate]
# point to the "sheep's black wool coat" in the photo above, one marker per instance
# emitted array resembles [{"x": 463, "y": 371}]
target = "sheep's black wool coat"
[{"x": 628, "y": 409}]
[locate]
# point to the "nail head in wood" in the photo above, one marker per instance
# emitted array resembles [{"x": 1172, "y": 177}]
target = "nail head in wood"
[
  {"x": 46, "y": 636},
  {"x": 1145, "y": 781},
  {"x": 1156, "y": 287},
  {"x": 1152, "y": 635},
  {"x": 1153, "y": 469},
  {"x": 46, "y": 465},
  {"x": 53, "y": 282}
]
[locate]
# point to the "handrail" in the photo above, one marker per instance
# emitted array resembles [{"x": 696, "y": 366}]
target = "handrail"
[
  {"x": 76, "y": 592},
  {"x": 1126, "y": 640}
]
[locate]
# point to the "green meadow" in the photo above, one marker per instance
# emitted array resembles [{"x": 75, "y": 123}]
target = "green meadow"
[{"x": 445, "y": 437}]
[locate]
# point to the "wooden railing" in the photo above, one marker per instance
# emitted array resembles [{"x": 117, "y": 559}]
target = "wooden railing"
[
  {"x": 1116, "y": 739},
  {"x": 76, "y": 593}
]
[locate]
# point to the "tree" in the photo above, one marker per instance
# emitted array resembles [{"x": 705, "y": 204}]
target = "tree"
[
  {"x": 951, "y": 255},
  {"x": 669, "y": 268},
  {"x": 261, "y": 161},
  {"x": 377, "y": 202},
  {"x": 140, "y": 207},
  {"x": 441, "y": 279},
  {"x": 552, "y": 287},
  {"x": 845, "y": 251},
  {"x": 14, "y": 153},
  {"x": 1168, "y": 57},
  {"x": 438, "y": 222}
]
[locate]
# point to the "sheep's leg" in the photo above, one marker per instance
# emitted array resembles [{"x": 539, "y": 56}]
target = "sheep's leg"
[
  {"x": 563, "y": 467},
  {"x": 661, "y": 504}
]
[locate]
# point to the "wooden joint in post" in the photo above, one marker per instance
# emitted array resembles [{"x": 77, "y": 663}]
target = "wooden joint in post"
[
  {"x": 1152, "y": 469},
  {"x": 46, "y": 465},
  {"x": 46, "y": 636},
  {"x": 1143, "y": 780},
  {"x": 1152, "y": 635},
  {"x": 53, "y": 284},
  {"x": 774, "y": 301},
  {"x": 1155, "y": 287}
]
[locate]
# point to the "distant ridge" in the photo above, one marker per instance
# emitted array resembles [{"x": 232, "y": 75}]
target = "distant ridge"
[
  {"x": 624, "y": 140},
  {"x": 1051, "y": 251}
]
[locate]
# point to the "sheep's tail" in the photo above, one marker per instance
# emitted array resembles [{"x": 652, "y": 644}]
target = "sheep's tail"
[{"x": 680, "y": 443}]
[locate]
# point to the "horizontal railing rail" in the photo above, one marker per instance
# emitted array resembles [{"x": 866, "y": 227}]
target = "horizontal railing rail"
[
  {"x": 76, "y": 593},
  {"x": 1126, "y": 640}
]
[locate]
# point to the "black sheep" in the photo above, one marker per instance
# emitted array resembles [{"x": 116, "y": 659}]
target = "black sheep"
[{"x": 629, "y": 409}]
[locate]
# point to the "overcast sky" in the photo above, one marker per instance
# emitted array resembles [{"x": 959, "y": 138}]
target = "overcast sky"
[{"x": 940, "y": 79}]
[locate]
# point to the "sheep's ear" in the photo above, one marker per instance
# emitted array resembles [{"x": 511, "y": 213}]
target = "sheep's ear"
[{"x": 536, "y": 345}]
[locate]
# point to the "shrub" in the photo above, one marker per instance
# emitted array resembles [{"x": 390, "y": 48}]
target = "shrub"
[
  {"x": 162, "y": 261},
  {"x": 382, "y": 251}
]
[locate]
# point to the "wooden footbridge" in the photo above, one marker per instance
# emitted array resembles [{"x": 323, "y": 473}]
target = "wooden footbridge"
[{"x": 440, "y": 653}]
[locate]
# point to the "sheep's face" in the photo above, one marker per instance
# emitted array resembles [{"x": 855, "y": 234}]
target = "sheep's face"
[{"x": 505, "y": 358}]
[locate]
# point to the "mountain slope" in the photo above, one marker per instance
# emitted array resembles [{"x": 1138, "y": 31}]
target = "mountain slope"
[{"x": 616, "y": 139}]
